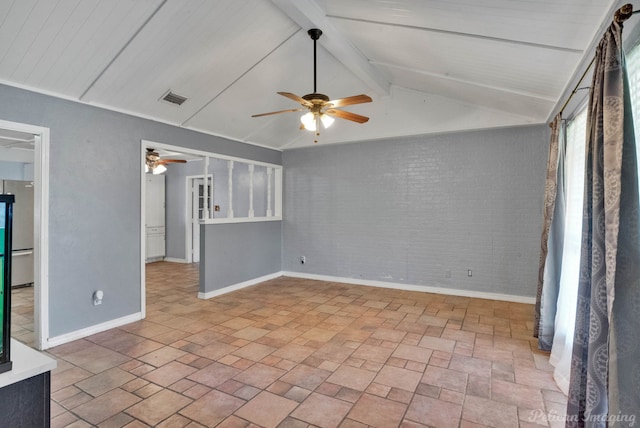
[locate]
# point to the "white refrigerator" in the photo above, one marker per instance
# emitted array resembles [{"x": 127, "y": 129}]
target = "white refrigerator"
[{"x": 22, "y": 272}]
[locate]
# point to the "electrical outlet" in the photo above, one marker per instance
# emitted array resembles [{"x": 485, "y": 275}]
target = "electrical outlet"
[
  {"x": 303, "y": 260},
  {"x": 469, "y": 272},
  {"x": 97, "y": 297},
  {"x": 447, "y": 273}
]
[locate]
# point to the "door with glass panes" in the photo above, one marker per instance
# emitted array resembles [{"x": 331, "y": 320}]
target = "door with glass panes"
[{"x": 197, "y": 212}]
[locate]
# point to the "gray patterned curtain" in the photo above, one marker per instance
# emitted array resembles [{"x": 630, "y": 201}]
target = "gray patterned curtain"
[
  {"x": 552, "y": 240},
  {"x": 605, "y": 374}
]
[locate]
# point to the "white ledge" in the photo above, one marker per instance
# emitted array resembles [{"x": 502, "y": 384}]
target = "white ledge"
[
  {"x": 27, "y": 363},
  {"x": 239, "y": 220}
]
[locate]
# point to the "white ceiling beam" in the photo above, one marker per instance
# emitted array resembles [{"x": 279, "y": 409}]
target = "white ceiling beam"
[{"x": 307, "y": 14}]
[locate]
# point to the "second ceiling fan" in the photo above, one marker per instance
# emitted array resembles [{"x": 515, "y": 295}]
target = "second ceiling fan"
[
  {"x": 154, "y": 164},
  {"x": 320, "y": 109}
]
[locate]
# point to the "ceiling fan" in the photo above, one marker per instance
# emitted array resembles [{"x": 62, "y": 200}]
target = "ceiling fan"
[
  {"x": 156, "y": 165},
  {"x": 319, "y": 107}
]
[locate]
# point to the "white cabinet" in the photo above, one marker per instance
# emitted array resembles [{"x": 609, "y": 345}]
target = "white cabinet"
[
  {"x": 155, "y": 217},
  {"x": 155, "y": 243}
]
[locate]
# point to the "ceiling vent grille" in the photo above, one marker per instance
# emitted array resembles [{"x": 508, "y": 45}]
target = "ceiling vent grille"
[{"x": 173, "y": 98}]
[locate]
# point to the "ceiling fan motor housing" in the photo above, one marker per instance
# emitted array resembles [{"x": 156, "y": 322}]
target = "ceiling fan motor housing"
[
  {"x": 318, "y": 100},
  {"x": 152, "y": 155},
  {"x": 312, "y": 97}
]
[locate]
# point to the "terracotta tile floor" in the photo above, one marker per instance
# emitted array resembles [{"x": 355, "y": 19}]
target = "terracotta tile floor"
[
  {"x": 22, "y": 315},
  {"x": 300, "y": 353}
]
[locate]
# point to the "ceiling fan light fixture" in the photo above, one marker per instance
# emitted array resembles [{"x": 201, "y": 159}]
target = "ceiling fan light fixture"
[
  {"x": 308, "y": 120},
  {"x": 327, "y": 120},
  {"x": 159, "y": 169}
]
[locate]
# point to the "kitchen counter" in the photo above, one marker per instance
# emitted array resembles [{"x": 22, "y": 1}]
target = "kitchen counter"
[
  {"x": 27, "y": 362},
  {"x": 25, "y": 391}
]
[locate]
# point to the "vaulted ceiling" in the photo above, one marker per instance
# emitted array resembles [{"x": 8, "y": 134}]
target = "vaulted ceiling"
[{"x": 429, "y": 65}]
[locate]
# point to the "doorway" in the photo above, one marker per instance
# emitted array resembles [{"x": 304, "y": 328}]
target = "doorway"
[
  {"x": 16, "y": 141},
  {"x": 176, "y": 228}
]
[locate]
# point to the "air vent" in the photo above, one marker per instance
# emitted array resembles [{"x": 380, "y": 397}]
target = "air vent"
[{"x": 173, "y": 98}]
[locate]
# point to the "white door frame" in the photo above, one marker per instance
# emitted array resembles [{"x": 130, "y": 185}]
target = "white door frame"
[
  {"x": 41, "y": 229},
  {"x": 189, "y": 213}
]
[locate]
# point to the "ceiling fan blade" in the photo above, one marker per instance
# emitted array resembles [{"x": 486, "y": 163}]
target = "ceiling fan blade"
[
  {"x": 277, "y": 112},
  {"x": 296, "y": 98},
  {"x": 347, "y": 115},
  {"x": 165, "y": 161},
  {"x": 356, "y": 99}
]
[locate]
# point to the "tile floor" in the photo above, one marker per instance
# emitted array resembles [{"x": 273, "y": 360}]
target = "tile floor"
[
  {"x": 300, "y": 353},
  {"x": 22, "y": 315}
]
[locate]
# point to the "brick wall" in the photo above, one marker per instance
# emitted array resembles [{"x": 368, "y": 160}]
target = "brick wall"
[{"x": 420, "y": 210}]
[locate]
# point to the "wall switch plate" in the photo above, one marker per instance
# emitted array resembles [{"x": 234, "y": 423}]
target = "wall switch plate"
[{"x": 469, "y": 272}]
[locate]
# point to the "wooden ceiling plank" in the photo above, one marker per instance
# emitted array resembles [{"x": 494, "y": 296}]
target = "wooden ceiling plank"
[
  {"x": 14, "y": 20},
  {"x": 45, "y": 33},
  {"x": 61, "y": 46},
  {"x": 198, "y": 59},
  {"x": 124, "y": 47}
]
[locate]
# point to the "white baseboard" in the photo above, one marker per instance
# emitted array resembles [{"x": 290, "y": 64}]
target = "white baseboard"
[
  {"x": 175, "y": 260},
  {"x": 412, "y": 287},
  {"x": 238, "y": 286},
  {"x": 79, "y": 334}
]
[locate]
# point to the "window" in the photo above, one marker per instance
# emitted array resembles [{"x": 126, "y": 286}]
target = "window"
[
  {"x": 244, "y": 190},
  {"x": 574, "y": 166},
  {"x": 574, "y": 192},
  {"x": 633, "y": 72}
]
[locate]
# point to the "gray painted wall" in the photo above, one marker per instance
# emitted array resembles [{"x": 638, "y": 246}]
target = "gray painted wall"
[
  {"x": 28, "y": 171},
  {"x": 11, "y": 170},
  {"x": 94, "y": 214},
  {"x": 238, "y": 252},
  {"x": 420, "y": 210}
]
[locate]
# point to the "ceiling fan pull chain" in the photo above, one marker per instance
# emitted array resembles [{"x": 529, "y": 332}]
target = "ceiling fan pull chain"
[{"x": 315, "y": 140}]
